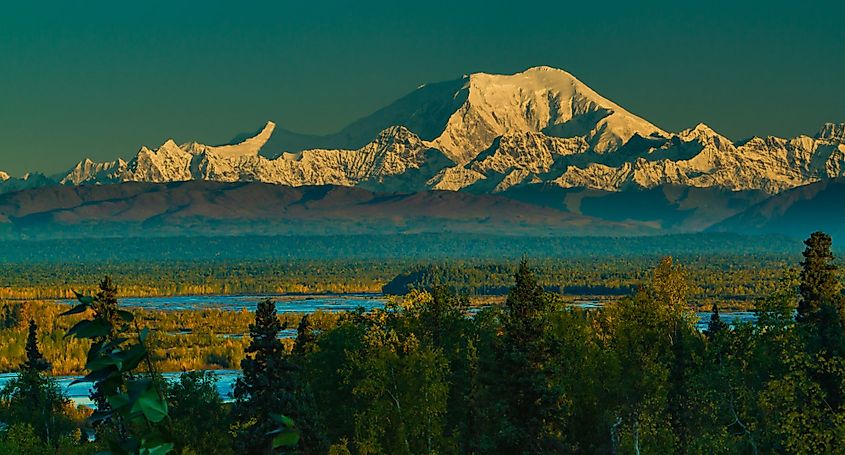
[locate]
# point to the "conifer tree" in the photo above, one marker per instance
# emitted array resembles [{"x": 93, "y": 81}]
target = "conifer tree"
[
  {"x": 818, "y": 278},
  {"x": 269, "y": 387},
  {"x": 534, "y": 414},
  {"x": 35, "y": 361},
  {"x": 715, "y": 325},
  {"x": 105, "y": 305},
  {"x": 305, "y": 337},
  {"x": 821, "y": 313},
  {"x": 35, "y": 399}
]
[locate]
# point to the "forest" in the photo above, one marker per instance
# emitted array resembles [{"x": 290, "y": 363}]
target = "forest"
[
  {"x": 730, "y": 279},
  {"x": 531, "y": 375}
]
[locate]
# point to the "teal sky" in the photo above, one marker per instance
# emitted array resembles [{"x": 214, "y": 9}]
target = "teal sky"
[{"x": 102, "y": 79}]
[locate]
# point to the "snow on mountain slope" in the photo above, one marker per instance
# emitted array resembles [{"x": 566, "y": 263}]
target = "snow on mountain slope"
[
  {"x": 698, "y": 157},
  {"x": 512, "y": 159},
  {"x": 491, "y": 133},
  {"x": 87, "y": 171},
  {"x": 394, "y": 151},
  {"x": 249, "y": 147},
  {"x": 540, "y": 99},
  {"x": 464, "y": 116},
  {"x": 769, "y": 164}
]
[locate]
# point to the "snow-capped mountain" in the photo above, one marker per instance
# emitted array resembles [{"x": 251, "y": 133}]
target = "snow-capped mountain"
[
  {"x": 539, "y": 100},
  {"x": 395, "y": 151},
  {"x": 492, "y": 133}
]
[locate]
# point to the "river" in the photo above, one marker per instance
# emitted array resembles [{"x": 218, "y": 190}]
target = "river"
[
  {"x": 284, "y": 304},
  {"x": 79, "y": 392}
]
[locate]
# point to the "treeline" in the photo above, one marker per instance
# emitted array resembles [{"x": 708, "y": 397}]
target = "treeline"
[
  {"x": 531, "y": 376},
  {"x": 731, "y": 281},
  {"x": 415, "y": 247},
  {"x": 148, "y": 279},
  {"x": 727, "y": 279}
]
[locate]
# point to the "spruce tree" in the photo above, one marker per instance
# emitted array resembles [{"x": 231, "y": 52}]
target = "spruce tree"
[
  {"x": 305, "y": 337},
  {"x": 105, "y": 305},
  {"x": 820, "y": 307},
  {"x": 525, "y": 307},
  {"x": 270, "y": 386},
  {"x": 33, "y": 398},
  {"x": 818, "y": 278},
  {"x": 820, "y": 312},
  {"x": 534, "y": 417},
  {"x": 35, "y": 361},
  {"x": 716, "y": 325}
]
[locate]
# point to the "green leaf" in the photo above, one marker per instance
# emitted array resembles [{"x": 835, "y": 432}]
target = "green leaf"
[
  {"x": 145, "y": 332},
  {"x": 99, "y": 362},
  {"x": 282, "y": 419},
  {"x": 89, "y": 329},
  {"x": 151, "y": 404},
  {"x": 153, "y": 440},
  {"x": 84, "y": 299},
  {"x": 286, "y": 435},
  {"x": 81, "y": 308},
  {"x": 108, "y": 347},
  {"x": 125, "y": 315},
  {"x": 129, "y": 359},
  {"x": 287, "y": 438},
  {"x": 98, "y": 375},
  {"x": 118, "y": 401},
  {"x": 138, "y": 386},
  {"x": 156, "y": 448}
]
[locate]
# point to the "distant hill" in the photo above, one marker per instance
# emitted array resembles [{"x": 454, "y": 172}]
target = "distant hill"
[
  {"x": 670, "y": 208},
  {"x": 213, "y": 208},
  {"x": 796, "y": 212}
]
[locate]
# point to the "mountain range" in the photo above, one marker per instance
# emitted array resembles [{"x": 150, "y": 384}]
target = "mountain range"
[{"x": 538, "y": 138}]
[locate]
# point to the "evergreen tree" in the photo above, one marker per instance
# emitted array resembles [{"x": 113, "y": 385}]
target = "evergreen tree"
[
  {"x": 105, "y": 306},
  {"x": 35, "y": 361},
  {"x": 525, "y": 307},
  {"x": 34, "y": 399},
  {"x": 534, "y": 412},
  {"x": 198, "y": 419},
  {"x": 716, "y": 325},
  {"x": 821, "y": 313},
  {"x": 269, "y": 386},
  {"x": 819, "y": 285},
  {"x": 306, "y": 337}
]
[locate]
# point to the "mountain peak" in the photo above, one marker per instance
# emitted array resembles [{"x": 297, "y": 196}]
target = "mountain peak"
[
  {"x": 547, "y": 69},
  {"x": 489, "y": 133},
  {"x": 832, "y": 132},
  {"x": 540, "y": 99},
  {"x": 396, "y": 132},
  {"x": 249, "y": 147},
  {"x": 700, "y": 131}
]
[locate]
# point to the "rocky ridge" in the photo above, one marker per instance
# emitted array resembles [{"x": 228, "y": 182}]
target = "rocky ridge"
[{"x": 488, "y": 133}]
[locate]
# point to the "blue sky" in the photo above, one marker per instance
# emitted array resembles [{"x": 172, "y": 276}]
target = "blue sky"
[{"x": 103, "y": 78}]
